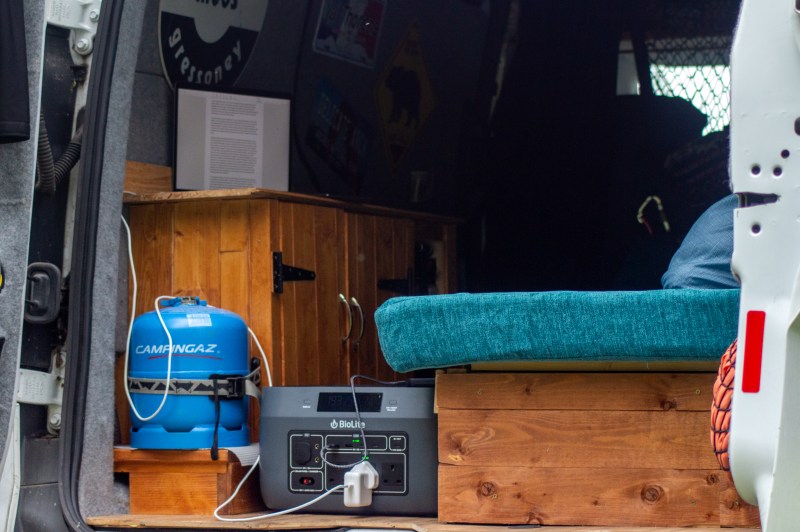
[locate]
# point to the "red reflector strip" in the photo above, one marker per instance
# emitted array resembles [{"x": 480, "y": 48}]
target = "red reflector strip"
[{"x": 753, "y": 351}]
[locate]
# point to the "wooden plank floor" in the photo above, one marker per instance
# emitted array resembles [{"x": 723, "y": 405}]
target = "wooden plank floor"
[{"x": 304, "y": 521}]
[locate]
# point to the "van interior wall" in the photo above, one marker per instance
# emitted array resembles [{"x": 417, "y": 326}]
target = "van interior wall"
[{"x": 451, "y": 35}]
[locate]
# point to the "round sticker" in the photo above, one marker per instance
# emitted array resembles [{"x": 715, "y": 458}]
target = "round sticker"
[{"x": 208, "y": 42}]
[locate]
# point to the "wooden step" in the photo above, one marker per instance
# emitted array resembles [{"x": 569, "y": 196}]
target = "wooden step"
[{"x": 173, "y": 482}]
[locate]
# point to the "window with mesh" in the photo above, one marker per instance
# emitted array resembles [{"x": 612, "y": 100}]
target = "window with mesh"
[
  {"x": 689, "y": 55},
  {"x": 697, "y": 70}
]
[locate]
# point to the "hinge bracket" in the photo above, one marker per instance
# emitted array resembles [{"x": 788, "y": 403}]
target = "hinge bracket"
[
  {"x": 44, "y": 388},
  {"x": 281, "y": 273},
  {"x": 399, "y": 286},
  {"x": 80, "y": 16}
]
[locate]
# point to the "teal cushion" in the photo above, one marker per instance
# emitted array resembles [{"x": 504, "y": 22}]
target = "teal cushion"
[{"x": 657, "y": 325}]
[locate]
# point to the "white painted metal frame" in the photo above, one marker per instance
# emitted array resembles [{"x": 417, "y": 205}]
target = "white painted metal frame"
[{"x": 765, "y": 160}]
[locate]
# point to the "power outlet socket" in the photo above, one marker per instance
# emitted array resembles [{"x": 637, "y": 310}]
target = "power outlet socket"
[{"x": 392, "y": 476}]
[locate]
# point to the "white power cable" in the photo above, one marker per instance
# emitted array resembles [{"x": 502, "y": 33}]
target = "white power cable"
[
  {"x": 130, "y": 329},
  {"x": 273, "y": 514},
  {"x": 263, "y": 356},
  {"x": 359, "y": 484},
  {"x": 360, "y": 481}
]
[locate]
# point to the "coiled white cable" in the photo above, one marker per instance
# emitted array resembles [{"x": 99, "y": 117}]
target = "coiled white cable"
[{"x": 130, "y": 329}]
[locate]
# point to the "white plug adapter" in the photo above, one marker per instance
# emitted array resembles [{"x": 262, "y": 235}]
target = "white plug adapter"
[{"x": 358, "y": 485}]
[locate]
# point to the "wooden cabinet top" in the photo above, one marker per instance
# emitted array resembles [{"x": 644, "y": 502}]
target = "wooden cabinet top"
[
  {"x": 258, "y": 193},
  {"x": 146, "y": 183}
]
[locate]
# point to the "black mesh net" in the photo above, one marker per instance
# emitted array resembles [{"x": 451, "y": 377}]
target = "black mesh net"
[{"x": 689, "y": 54}]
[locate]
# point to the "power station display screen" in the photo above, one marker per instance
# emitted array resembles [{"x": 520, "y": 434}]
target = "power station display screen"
[{"x": 343, "y": 402}]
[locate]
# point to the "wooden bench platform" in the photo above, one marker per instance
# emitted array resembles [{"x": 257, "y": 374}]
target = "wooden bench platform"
[{"x": 602, "y": 449}]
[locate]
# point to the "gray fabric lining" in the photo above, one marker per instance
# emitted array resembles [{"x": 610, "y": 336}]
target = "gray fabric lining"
[
  {"x": 151, "y": 120},
  {"x": 17, "y": 167},
  {"x": 122, "y": 292},
  {"x": 150, "y": 138},
  {"x": 97, "y": 493}
]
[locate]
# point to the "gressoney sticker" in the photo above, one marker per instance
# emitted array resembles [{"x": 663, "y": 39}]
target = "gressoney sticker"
[{"x": 208, "y": 42}]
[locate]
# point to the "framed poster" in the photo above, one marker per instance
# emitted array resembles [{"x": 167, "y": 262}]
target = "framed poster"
[
  {"x": 230, "y": 139},
  {"x": 350, "y": 30}
]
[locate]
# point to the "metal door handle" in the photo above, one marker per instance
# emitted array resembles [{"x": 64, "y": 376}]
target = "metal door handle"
[
  {"x": 354, "y": 303},
  {"x": 343, "y": 299}
]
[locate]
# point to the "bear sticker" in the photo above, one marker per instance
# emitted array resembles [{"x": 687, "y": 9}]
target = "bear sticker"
[
  {"x": 404, "y": 98},
  {"x": 404, "y": 86}
]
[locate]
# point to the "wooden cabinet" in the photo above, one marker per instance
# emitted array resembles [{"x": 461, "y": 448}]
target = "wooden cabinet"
[
  {"x": 220, "y": 246},
  {"x": 380, "y": 255}
]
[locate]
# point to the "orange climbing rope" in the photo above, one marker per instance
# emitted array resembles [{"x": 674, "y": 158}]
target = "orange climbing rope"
[{"x": 721, "y": 407}]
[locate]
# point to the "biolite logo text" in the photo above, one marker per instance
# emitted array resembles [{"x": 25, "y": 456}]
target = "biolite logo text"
[
  {"x": 347, "y": 424},
  {"x": 208, "y": 42}
]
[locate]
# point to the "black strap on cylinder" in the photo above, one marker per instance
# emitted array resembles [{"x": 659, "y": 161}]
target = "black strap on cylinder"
[{"x": 215, "y": 444}]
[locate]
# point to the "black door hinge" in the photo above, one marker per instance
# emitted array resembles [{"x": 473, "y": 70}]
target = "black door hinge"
[
  {"x": 281, "y": 273},
  {"x": 399, "y": 286}
]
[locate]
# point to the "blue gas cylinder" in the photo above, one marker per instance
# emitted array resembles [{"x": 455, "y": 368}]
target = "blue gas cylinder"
[{"x": 206, "y": 341}]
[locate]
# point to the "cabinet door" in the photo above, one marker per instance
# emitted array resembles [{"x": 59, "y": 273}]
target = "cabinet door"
[
  {"x": 311, "y": 323},
  {"x": 379, "y": 248},
  {"x": 211, "y": 249}
]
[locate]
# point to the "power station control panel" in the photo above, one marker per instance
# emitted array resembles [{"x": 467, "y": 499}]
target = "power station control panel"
[
  {"x": 310, "y": 437},
  {"x": 318, "y": 461}
]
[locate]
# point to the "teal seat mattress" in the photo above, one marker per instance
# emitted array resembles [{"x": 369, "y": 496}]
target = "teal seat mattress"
[{"x": 646, "y": 326}]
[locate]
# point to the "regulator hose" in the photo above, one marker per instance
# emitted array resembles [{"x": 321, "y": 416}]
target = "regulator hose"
[{"x": 51, "y": 173}]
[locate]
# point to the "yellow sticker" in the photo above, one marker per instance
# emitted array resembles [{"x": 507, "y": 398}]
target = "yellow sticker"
[{"x": 404, "y": 97}]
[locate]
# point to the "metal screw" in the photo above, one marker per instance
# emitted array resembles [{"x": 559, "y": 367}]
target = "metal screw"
[
  {"x": 82, "y": 45},
  {"x": 94, "y": 15},
  {"x": 55, "y": 421}
]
